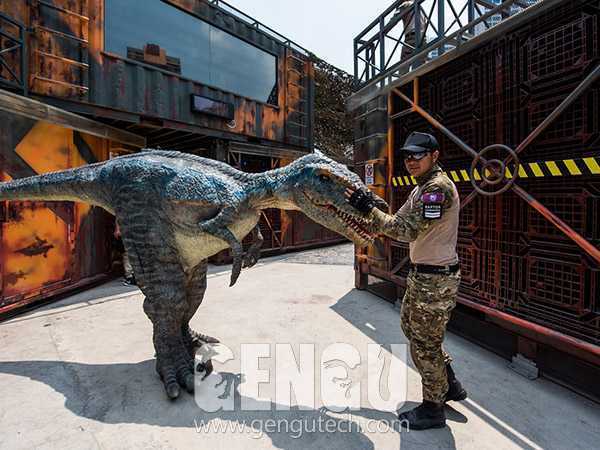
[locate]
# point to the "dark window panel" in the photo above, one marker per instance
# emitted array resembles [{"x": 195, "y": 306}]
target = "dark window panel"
[{"x": 206, "y": 54}]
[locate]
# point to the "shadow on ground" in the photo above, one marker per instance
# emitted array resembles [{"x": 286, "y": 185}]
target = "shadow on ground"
[
  {"x": 131, "y": 393},
  {"x": 368, "y": 318}
]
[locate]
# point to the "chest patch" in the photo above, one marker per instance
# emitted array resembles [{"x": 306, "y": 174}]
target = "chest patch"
[{"x": 432, "y": 205}]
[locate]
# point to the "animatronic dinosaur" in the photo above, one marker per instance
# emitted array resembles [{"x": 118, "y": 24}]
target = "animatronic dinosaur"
[{"x": 175, "y": 210}]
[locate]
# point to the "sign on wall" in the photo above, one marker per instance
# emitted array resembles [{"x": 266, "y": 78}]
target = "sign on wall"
[{"x": 369, "y": 174}]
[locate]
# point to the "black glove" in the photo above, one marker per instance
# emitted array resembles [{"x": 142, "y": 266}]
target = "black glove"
[{"x": 362, "y": 200}]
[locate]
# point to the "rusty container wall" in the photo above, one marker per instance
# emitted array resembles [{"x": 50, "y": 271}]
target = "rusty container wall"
[
  {"x": 48, "y": 247},
  {"x": 536, "y": 291},
  {"x": 14, "y": 54},
  {"x": 69, "y": 66},
  {"x": 370, "y": 150}
]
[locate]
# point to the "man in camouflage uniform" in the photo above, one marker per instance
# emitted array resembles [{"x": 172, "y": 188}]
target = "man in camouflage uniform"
[{"x": 429, "y": 222}]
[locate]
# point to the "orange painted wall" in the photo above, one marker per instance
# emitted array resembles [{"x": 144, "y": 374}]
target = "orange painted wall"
[{"x": 48, "y": 246}]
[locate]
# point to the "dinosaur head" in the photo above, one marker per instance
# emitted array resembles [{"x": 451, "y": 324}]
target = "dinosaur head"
[{"x": 316, "y": 186}]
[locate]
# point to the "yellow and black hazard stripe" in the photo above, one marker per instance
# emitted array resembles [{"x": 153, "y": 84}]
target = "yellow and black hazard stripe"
[{"x": 559, "y": 168}]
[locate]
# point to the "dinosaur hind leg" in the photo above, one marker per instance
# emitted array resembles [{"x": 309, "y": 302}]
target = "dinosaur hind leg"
[
  {"x": 162, "y": 279},
  {"x": 165, "y": 305},
  {"x": 195, "y": 289}
]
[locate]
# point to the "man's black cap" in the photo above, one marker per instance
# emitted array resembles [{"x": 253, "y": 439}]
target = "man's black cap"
[{"x": 420, "y": 142}]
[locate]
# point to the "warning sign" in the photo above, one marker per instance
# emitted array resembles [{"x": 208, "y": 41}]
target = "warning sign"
[{"x": 369, "y": 174}]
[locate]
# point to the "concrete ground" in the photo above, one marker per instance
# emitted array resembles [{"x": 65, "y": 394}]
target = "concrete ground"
[{"x": 79, "y": 373}]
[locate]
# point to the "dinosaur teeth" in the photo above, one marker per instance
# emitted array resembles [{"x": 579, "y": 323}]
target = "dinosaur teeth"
[{"x": 357, "y": 224}]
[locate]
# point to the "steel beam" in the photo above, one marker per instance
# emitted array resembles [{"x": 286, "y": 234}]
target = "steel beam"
[{"x": 367, "y": 92}]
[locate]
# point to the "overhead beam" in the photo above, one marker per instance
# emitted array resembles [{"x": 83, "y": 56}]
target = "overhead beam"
[{"x": 27, "y": 107}]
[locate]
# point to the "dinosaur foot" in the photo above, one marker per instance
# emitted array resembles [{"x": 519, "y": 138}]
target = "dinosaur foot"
[
  {"x": 176, "y": 370},
  {"x": 194, "y": 340}
]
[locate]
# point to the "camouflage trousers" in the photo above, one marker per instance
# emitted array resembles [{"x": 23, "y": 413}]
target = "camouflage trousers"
[{"x": 428, "y": 301}]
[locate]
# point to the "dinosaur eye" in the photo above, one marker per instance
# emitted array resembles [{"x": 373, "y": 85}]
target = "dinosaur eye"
[{"x": 324, "y": 178}]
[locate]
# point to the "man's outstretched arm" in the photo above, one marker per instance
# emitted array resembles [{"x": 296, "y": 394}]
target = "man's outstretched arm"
[{"x": 409, "y": 221}]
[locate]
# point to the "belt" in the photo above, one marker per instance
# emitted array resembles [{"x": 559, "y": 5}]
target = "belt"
[{"x": 426, "y": 268}]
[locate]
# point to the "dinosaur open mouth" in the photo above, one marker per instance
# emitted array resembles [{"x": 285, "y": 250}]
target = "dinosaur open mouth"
[{"x": 358, "y": 225}]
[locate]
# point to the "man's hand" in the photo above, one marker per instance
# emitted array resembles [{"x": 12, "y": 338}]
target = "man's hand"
[{"x": 361, "y": 200}]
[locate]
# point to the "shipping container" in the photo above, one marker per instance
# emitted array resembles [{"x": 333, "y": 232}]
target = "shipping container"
[
  {"x": 181, "y": 72},
  {"x": 48, "y": 248}
]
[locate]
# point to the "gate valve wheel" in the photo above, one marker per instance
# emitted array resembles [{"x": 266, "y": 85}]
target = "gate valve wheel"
[{"x": 494, "y": 171}]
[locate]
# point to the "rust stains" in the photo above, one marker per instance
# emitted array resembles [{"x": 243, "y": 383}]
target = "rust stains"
[
  {"x": 39, "y": 247},
  {"x": 13, "y": 277}
]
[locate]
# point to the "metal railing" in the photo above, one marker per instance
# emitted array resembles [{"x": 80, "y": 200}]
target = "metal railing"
[
  {"x": 17, "y": 78},
  {"x": 232, "y": 10},
  {"x": 408, "y": 34}
]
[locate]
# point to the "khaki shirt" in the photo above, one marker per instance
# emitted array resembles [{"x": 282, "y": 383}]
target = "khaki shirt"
[{"x": 431, "y": 240}]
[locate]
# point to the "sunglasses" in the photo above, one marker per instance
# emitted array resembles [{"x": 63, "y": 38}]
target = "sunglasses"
[{"x": 416, "y": 156}]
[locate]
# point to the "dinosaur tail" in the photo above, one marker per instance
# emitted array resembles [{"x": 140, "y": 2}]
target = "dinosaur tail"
[{"x": 77, "y": 184}]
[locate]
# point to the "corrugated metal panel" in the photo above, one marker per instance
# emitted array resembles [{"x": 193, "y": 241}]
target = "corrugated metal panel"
[
  {"x": 297, "y": 101},
  {"x": 60, "y": 48},
  {"x": 151, "y": 92}
]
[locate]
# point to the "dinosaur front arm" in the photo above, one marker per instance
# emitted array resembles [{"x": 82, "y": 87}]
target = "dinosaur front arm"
[
  {"x": 218, "y": 227},
  {"x": 253, "y": 253}
]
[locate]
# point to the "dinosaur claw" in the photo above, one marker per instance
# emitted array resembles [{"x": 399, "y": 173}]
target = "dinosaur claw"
[
  {"x": 206, "y": 367},
  {"x": 236, "y": 270},
  {"x": 189, "y": 383},
  {"x": 250, "y": 259},
  {"x": 209, "y": 339},
  {"x": 169, "y": 378},
  {"x": 209, "y": 368},
  {"x": 172, "y": 391}
]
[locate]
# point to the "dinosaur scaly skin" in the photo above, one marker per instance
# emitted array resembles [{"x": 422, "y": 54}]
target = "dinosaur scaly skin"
[{"x": 175, "y": 210}]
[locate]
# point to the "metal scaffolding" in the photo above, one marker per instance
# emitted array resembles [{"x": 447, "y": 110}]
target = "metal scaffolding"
[
  {"x": 411, "y": 33},
  {"x": 13, "y": 54}
]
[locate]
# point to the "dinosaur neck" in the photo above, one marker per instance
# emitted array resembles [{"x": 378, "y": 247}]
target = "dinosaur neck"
[{"x": 267, "y": 190}]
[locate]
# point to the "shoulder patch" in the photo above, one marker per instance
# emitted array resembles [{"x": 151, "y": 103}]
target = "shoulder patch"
[
  {"x": 433, "y": 197},
  {"x": 433, "y": 205}
]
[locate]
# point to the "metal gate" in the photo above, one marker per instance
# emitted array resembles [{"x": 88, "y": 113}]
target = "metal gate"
[{"x": 517, "y": 122}]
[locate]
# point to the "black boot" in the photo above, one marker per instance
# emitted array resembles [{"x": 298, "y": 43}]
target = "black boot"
[
  {"x": 455, "y": 390},
  {"x": 426, "y": 415}
]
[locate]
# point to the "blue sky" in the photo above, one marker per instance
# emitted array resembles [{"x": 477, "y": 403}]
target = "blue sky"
[{"x": 325, "y": 27}]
